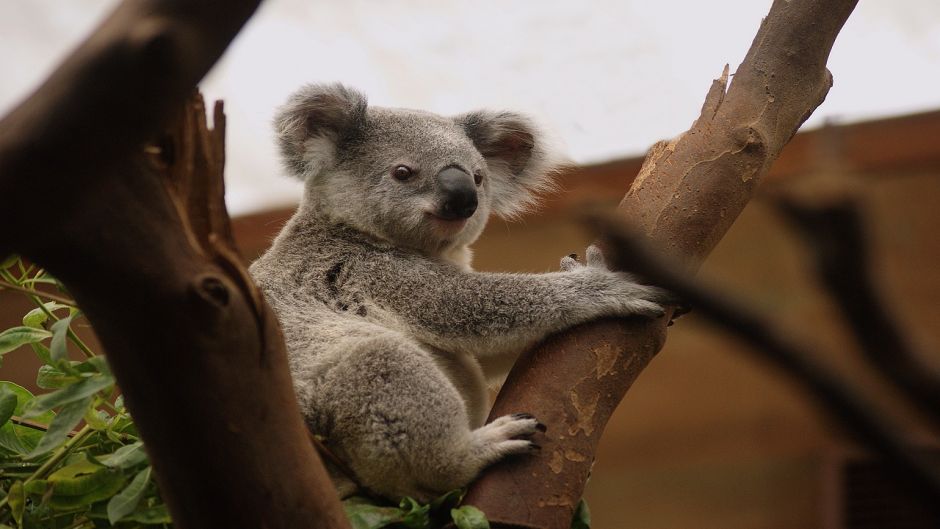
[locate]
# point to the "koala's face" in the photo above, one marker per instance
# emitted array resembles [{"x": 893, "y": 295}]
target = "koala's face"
[{"x": 417, "y": 179}]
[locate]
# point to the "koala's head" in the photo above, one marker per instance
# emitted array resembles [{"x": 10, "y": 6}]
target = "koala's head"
[{"x": 413, "y": 178}]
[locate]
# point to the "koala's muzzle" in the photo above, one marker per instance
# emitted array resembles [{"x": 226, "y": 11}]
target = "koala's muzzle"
[{"x": 459, "y": 194}]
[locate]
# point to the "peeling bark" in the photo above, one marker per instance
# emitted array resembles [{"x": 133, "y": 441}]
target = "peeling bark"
[{"x": 685, "y": 198}]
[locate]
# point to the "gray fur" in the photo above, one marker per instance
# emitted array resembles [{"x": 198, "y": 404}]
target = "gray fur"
[{"x": 390, "y": 333}]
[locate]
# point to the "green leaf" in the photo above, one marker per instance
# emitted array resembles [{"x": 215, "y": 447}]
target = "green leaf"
[
  {"x": 36, "y": 317},
  {"x": 448, "y": 501},
  {"x": 14, "y": 337},
  {"x": 127, "y": 456},
  {"x": 61, "y": 426},
  {"x": 156, "y": 515},
  {"x": 9, "y": 261},
  {"x": 98, "y": 364},
  {"x": 42, "y": 352},
  {"x": 7, "y": 404},
  {"x": 80, "y": 484},
  {"x": 21, "y": 439},
  {"x": 16, "y": 498},
  {"x": 364, "y": 515},
  {"x": 97, "y": 419},
  {"x": 57, "y": 346},
  {"x": 124, "y": 502},
  {"x": 469, "y": 517},
  {"x": 414, "y": 514},
  {"x": 37, "y": 487},
  {"x": 582, "y": 516},
  {"x": 75, "y": 392},
  {"x": 50, "y": 377}
]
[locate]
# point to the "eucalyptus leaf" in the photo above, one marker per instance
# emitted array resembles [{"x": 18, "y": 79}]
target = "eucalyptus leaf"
[
  {"x": 7, "y": 404},
  {"x": 16, "y": 498},
  {"x": 414, "y": 514},
  {"x": 37, "y": 487},
  {"x": 21, "y": 439},
  {"x": 365, "y": 515},
  {"x": 156, "y": 515},
  {"x": 15, "y": 337},
  {"x": 74, "y": 392},
  {"x": 51, "y": 377},
  {"x": 99, "y": 364},
  {"x": 448, "y": 500},
  {"x": 61, "y": 426},
  {"x": 126, "y": 501},
  {"x": 42, "y": 352},
  {"x": 582, "y": 516},
  {"x": 97, "y": 419},
  {"x": 103, "y": 485},
  {"x": 126, "y": 457},
  {"x": 57, "y": 346},
  {"x": 469, "y": 517},
  {"x": 36, "y": 317},
  {"x": 9, "y": 261}
]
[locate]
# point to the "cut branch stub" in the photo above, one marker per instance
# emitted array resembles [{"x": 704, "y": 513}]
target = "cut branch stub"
[{"x": 688, "y": 193}]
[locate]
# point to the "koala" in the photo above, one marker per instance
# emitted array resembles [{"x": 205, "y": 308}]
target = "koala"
[{"x": 391, "y": 335}]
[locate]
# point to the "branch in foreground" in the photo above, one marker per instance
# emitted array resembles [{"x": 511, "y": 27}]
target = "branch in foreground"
[
  {"x": 834, "y": 234},
  {"x": 685, "y": 198},
  {"x": 198, "y": 355},
  {"x": 844, "y": 405}
]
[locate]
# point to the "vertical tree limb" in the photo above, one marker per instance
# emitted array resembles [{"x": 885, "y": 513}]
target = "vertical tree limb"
[
  {"x": 144, "y": 245},
  {"x": 685, "y": 198}
]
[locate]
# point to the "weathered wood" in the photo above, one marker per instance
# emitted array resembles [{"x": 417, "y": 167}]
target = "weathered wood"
[
  {"x": 144, "y": 245},
  {"x": 686, "y": 196}
]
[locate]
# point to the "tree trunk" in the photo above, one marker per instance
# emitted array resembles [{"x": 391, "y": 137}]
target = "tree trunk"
[{"x": 144, "y": 246}]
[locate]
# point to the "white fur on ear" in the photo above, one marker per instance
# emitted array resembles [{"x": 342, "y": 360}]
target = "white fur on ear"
[
  {"x": 520, "y": 158},
  {"x": 313, "y": 123}
]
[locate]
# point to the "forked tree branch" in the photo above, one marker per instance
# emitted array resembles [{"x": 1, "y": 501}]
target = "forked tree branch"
[{"x": 685, "y": 198}]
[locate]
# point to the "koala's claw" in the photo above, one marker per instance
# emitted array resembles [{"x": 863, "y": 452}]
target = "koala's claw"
[
  {"x": 570, "y": 262},
  {"x": 538, "y": 424},
  {"x": 595, "y": 257}
]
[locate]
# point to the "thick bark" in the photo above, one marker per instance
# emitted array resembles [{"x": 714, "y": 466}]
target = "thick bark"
[
  {"x": 144, "y": 245},
  {"x": 687, "y": 195}
]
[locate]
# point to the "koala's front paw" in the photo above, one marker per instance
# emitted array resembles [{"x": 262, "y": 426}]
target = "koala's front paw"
[
  {"x": 631, "y": 297},
  {"x": 593, "y": 259}
]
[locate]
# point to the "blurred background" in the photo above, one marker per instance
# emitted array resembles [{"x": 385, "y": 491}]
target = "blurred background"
[{"x": 708, "y": 437}]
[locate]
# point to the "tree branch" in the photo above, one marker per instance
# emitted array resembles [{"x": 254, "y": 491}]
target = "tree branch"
[
  {"x": 832, "y": 228},
  {"x": 844, "y": 405},
  {"x": 685, "y": 198},
  {"x": 143, "y": 244}
]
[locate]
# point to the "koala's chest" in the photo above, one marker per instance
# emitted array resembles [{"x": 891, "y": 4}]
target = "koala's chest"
[{"x": 332, "y": 287}]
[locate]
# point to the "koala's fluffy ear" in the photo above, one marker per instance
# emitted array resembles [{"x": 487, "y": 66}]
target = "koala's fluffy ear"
[
  {"x": 314, "y": 122},
  {"x": 519, "y": 160}
]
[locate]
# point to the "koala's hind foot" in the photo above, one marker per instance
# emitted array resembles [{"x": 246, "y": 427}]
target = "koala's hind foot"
[
  {"x": 400, "y": 424},
  {"x": 507, "y": 435}
]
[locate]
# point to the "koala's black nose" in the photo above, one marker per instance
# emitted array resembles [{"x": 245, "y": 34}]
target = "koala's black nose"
[{"x": 459, "y": 194}]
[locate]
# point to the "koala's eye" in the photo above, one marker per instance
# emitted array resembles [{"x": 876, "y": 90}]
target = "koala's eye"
[
  {"x": 478, "y": 178},
  {"x": 402, "y": 172}
]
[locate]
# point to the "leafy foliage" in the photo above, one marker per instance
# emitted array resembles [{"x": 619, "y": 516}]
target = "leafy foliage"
[
  {"x": 54, "y": 476},
  {"x": 53, "y": 473}
]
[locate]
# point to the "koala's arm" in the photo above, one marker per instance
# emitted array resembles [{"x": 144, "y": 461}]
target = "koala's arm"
[{"x": 497, "y": 313}]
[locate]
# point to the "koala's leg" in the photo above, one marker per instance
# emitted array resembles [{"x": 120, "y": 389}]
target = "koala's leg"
[{"x": 402, "y": 426}]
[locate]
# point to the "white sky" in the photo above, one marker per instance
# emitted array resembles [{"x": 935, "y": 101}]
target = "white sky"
[{"x": 608, "y": 77}]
